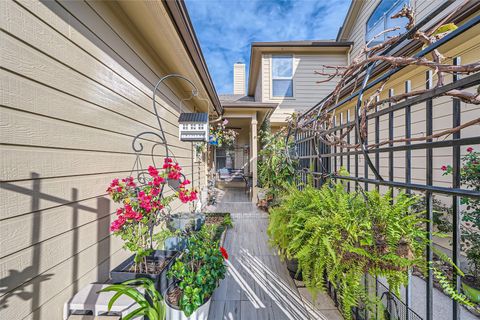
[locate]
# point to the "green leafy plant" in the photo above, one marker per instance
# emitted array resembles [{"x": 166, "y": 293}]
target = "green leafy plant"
[
  {"x": 470, "y": 233},
  {"x": 221, "y": 136},
  {"x": 275, "y": 172},
  {"x": 198, "y": 271},
  {"x": 342, "y": 236},
  {"x": 153, "y": 307}
]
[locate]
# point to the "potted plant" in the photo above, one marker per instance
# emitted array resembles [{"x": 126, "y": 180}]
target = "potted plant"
[
  {"x": 221, "y": 136},
  {"x": 344, "y": 235},
  {"x": 470, "y": 232},
  {"x": 197, "y": 273},
  {"x": 150, "y": 302},
  {"x": 143, "y": 208}
]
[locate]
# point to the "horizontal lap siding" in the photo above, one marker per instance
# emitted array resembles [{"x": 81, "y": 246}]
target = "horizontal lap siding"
[
  {"x": 75, "y": 89},
  {"x": 442, "y": 118},
  {"x": 307, "y": 91}
]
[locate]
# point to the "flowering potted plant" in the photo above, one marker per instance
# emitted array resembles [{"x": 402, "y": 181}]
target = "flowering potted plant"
[
  {"x": 196, "y": 273},
  {"x": 470, "y": 234},
  {"x": 144, "y": 207},
  {"x": 221, "y": 136}
]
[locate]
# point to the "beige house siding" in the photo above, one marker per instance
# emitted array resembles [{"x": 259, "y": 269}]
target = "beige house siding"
[
  {"x": 75, "y": 89},
  {"x": 357, "y": 34},
  {"x": 442, "y": 118},
  {"x": 306, "y": 90}
]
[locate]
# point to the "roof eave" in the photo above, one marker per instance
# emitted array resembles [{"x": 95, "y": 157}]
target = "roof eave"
[{"x": 180, "y": 18}]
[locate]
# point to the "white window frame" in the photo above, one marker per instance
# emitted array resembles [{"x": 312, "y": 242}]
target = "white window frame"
[{"x": 272, "y": 56}]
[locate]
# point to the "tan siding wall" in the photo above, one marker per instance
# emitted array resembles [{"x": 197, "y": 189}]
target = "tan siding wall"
[
  {"x": 75, "y": 90},
  {"x": 442, "y": 115},
  {"x": 357, "y": 35},
  {"x": 307, "y": 91}
]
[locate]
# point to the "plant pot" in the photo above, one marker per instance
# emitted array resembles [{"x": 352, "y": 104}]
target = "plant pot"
[
  {"x": 122, "y": 272},
  {"x": 174, "y": 313},
  {"x": 292, "y": 266},
  {"x": 186, "y": 220},
  {"x": 175, "y": 243},
  {"x": 470, "y": 288}
]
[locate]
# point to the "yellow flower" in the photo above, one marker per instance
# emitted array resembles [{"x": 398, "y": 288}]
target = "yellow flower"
[{"x": 127, "y": 201}]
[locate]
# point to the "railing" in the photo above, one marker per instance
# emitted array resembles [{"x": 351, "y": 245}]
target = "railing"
[{"x": 319, "y": 161}]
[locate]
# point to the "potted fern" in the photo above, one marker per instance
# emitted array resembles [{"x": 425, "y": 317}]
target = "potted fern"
[{"x": 344, "y": 236}]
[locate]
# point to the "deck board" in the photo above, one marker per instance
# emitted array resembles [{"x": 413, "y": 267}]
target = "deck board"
[{"x": 257, "y": 284}]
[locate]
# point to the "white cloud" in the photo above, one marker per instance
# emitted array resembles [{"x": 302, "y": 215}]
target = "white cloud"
[{"x": 226, "y": 28}]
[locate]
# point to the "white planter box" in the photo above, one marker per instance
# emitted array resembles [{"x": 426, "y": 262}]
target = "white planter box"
[{"x": 199, "y": 314}]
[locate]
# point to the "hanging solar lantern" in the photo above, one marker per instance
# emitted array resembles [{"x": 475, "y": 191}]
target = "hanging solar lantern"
[{"x": 193, "y": 127}]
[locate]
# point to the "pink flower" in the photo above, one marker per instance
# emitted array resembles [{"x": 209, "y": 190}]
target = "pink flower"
[
  {"x": 152, "y": 171},
  {"x": 225, "y": 122},
  {"x": 469, "y": 149},
  {"x": 185, "y": 182},
  {"x": 444, "y": 168}
]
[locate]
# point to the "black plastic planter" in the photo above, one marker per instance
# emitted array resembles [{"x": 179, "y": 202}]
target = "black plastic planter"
[
  {"x": 292, "y": 266},
  {"x": 121, "y": 274}
]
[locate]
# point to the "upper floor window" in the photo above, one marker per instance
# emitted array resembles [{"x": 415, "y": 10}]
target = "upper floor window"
[
  {"x": 381, "y": 20},
  {"x": 282, "y": 76}
]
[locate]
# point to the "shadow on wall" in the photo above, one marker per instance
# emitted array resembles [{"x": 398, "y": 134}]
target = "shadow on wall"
[{"x": 26, "y": 284}]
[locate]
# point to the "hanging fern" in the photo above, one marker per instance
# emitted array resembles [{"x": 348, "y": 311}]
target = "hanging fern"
[{"x": 347, "y": 235}]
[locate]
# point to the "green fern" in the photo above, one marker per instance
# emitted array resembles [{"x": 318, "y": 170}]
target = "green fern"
[{"x": 347, "y": 235}]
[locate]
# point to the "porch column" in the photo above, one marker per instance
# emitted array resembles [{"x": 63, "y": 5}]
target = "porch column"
[{"x": 253, "y": 158}]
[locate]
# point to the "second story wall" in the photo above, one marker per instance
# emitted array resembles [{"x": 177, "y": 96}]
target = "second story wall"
[
  {"x": 357, "y": 27},
  {"x": 306, "y": 92}
]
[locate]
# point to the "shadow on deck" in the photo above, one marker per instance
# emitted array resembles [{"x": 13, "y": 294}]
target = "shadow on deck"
[{"x": 257, "y": 285}]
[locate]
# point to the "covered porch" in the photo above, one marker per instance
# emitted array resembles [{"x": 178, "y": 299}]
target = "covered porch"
[{"x": 236, "y": 165}]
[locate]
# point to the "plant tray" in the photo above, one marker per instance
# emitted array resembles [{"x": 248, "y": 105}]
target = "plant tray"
[{"x": 123, "y": 271}]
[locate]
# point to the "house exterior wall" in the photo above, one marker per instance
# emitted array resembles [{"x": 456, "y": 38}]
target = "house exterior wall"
[
  {"x": 357, "y": 35},
  {"x": 306, "y": 90},
  {"x": 466, "y": 46},
  {"x": 76, "y": 88}
]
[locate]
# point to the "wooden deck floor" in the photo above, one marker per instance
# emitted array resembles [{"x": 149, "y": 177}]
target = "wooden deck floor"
[{"x": 257, "y": 285}]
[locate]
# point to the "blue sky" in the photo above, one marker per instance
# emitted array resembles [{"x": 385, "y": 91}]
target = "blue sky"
[{"x": 226, "y": 28}]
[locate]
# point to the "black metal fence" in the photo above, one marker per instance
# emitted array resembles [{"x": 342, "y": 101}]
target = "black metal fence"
[{"x": 391, "y": 165}]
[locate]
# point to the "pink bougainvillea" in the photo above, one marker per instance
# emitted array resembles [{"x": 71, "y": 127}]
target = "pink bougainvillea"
[{"x": 143, "y": 204}]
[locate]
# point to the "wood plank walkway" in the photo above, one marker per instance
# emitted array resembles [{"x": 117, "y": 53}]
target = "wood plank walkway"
[{"x": 257, "y": 285}]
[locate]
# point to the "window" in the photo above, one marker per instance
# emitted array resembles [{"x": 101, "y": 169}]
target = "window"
[
  {"x": 282, "y": 76},
  {"x": 381, "y": 20}
]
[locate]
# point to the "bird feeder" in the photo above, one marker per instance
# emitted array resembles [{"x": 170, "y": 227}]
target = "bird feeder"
[{"x": 193, "y": 127}]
